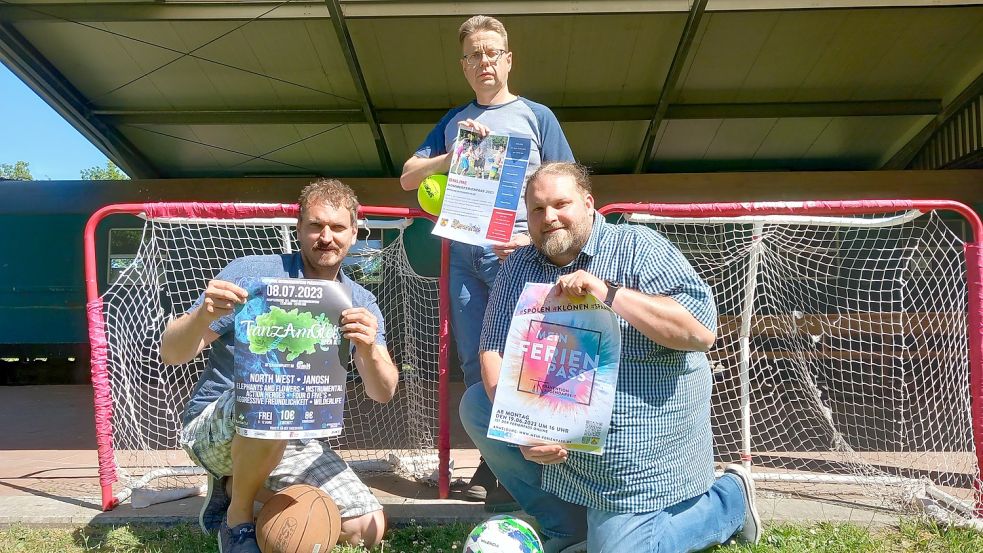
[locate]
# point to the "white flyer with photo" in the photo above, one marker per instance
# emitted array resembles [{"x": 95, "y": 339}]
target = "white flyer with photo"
[{"x": 484, "y": 188}]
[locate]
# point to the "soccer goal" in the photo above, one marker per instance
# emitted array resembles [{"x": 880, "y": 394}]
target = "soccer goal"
[
  {"x": 181, "y": 246},
  {"x": 848, "y": 360}
]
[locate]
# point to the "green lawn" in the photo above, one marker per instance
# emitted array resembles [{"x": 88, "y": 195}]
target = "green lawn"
[{"x": 910, "y": 536}]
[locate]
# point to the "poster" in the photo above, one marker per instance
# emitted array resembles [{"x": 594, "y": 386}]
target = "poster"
[
  {"x": 484, "y": 188},
  {"x": 559, "y": 372},
  {"x": 290, "y": 359}
]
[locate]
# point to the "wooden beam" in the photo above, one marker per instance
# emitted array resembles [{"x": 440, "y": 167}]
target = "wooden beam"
[
  {"x": 211, "y": 10},
  {"x": 904, "y": 156},
  {"x": 569, "y": 114},
  {"x": 85, "y": 196},
  {"x": 368, "y": 110},
  {"x": 669, "y": 85}
]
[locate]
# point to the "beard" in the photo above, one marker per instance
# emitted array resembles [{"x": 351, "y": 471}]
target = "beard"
[{"x": 564, "y": 240}]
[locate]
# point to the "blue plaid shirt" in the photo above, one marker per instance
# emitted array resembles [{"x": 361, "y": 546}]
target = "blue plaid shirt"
[{"x": 659, "y": 450}]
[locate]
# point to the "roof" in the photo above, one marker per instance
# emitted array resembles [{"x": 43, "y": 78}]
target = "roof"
[{"x": 215, "y": 88}]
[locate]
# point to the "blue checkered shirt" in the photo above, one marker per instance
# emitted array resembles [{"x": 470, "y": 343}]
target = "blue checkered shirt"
[{"x": 659, "y": 449}]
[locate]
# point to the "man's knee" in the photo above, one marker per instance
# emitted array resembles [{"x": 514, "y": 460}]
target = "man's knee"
[
  {"x": 475, "y": 409},
  {"x": 366, "y": 530},
  {"x": 256, "y": 453},
  {"x": 257, "y": 446}
]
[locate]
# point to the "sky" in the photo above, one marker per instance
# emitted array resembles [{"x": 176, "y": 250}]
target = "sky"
[{"x": 35, "y": 133}]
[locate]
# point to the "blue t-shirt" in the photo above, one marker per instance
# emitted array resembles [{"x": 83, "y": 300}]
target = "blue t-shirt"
[
  {"x": 219, "y": 375},
  {"x": 520, "y": 117}
]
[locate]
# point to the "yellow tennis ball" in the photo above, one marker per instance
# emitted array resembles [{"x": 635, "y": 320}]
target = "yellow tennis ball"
[{"x": 431, "y": 193}]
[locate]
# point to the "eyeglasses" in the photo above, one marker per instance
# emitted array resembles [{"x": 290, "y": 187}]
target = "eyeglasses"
[{"x": 474, "y": 59}]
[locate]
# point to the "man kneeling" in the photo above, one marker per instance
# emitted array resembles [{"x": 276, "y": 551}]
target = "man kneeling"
[
  {"x": 243, "y": 470},
  {"x": 653, "y": 489}
]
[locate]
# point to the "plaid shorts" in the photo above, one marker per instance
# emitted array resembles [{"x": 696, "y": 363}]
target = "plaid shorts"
[{"x": 208, "y": 440}]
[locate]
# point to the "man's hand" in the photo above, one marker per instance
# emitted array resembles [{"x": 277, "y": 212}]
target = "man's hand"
[
  {"x": 517, "y": 241},
  {"x": 551, "y": 454},
  {"x": 186, "y": 336},
  {"x": 581, "y": 283},
  {"x": 475, "y": 126},
  {"x": 221, "y": 298},
  {"x": 359, "y": 325}
]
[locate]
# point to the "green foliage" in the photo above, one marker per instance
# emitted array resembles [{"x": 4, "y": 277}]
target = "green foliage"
[
  {"x": 109, "y": 172},
  {"x": 20, "y": 170},
  {"x": 291, "y": 332}
]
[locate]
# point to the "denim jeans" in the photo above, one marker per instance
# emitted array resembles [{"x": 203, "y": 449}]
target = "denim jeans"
[
  {"x": 472, "y": 274},
  {"x": 691, "y": 525}
]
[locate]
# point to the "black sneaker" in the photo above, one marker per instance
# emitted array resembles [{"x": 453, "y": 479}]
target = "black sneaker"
[
  {"x": 240, "y": 539},
  {"x": 751, "y": 531},
  {"x": 482, "y": 481},
  {"x": 216, "y": 505}
]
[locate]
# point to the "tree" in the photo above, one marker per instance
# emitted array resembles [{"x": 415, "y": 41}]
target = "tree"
[
  {"x": 109, "y": 172},
  {"x": 20, "y": 170}
]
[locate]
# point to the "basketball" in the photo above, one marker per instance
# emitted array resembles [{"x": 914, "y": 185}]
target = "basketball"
[
  {"x": 431, "y": 193},
  {"x": 298, "y": 519},
  {"x": 503, "y": 534}
]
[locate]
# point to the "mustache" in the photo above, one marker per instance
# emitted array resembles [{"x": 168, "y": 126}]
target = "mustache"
[{"x": 556, "y": 226}]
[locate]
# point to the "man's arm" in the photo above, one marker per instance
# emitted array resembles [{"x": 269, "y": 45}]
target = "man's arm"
[
  {"x": 418, "y": 168},
  {"x": 185, "y": 337},
  {"x": 491, "y": 367},
  {"x": 379, "y": 374},
  {"x": 659, "y": 318}
]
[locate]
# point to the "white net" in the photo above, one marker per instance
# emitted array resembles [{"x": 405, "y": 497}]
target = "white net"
[
  {"x": 854, "y": 365},
  {"x": 173, "y": 265}
]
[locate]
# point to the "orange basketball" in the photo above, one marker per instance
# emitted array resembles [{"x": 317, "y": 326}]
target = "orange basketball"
[{"x": 298, "y": 519}]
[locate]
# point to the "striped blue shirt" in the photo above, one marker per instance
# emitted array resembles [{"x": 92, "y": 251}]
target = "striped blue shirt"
[{"x": 660, "y": 449}]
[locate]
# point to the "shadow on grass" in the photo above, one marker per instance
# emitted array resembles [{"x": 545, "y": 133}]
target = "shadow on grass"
[
  {"x": 186, "y": 538},
  {"x": 135, "y": 538}
]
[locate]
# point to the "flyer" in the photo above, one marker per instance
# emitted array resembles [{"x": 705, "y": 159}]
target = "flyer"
[
  {"x": 484, "y": 188},
  {"x": 559, "y": 372},
  {"x": 290, "y": 359}
]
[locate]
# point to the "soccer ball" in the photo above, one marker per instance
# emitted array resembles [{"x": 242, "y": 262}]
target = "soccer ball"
[{"x": 503, "y": 534}]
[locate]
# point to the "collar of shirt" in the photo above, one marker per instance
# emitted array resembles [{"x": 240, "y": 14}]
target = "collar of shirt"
[{"x": 589, "y": 249}]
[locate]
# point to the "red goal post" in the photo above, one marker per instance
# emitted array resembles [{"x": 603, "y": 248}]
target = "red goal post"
[
  {"x": 109, "y": 467},
  {"x": 749, "y": 323}
]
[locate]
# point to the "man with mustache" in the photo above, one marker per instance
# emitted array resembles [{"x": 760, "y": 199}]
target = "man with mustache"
[
  {"x": 486, "y": 62},
  {"x": 654, "y": 488},
  {"x": 243, "y": 470}
]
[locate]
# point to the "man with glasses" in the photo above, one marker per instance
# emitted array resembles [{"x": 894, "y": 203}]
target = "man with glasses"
[{"x": 486, "y": 61}]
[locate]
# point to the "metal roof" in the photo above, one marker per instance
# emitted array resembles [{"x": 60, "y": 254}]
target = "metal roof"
[{"x": 349, "y": 87}]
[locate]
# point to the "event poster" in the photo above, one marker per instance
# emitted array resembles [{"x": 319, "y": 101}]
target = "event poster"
[
  {"x": 290, "y": 358},
  {"x": 484, "y": 188},
  {"x": 559, "y": 371}
]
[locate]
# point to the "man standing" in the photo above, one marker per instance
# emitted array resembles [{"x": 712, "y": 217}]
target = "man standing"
[
  {"x": 242, "y": 470},
  {"x": 653, "y": 489},
  {"x": 486, "y": 62}
]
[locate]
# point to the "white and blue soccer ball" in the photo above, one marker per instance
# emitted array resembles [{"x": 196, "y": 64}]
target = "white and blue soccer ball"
[{"x": 503, "y": 534}]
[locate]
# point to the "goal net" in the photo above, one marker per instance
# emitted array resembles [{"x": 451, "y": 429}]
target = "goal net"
[
  {"x": 847, "y": 361},
  {"x": 139, "y": 400}
]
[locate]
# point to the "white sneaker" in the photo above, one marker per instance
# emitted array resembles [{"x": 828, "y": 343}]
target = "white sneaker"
[{"x": 751, "y": 531}]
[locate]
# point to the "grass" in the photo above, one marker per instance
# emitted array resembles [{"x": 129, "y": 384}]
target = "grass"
[{"x": 910, "y": 536}]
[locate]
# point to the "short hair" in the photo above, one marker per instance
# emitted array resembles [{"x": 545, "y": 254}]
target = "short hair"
[
  {"x": 578, "y": 172},
  {"x": 480, "y": 23},
  {"x": 332, "y": 192}
]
